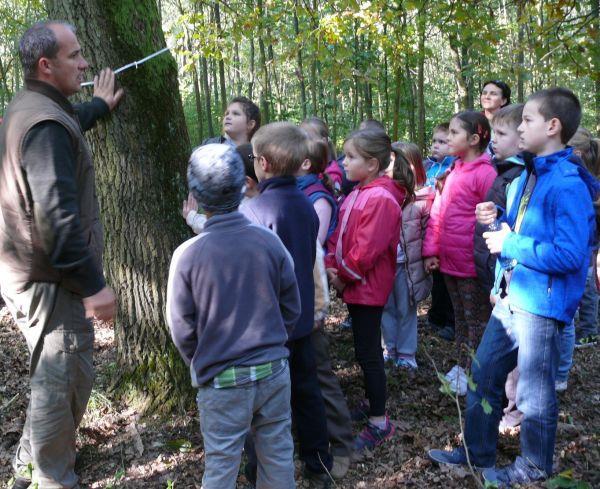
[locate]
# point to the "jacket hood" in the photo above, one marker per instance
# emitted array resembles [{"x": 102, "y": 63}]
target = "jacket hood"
[
  {"x": 503, "y": 166},
  {"x": 424, "y": 193},
  {"x": 483, "y": 159},
  {"x": 390, "y": 185},
  {"x": 591, "y": 182}
]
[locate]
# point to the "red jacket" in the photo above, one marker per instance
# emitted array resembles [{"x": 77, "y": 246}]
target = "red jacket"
[
  {"x": 369, "y": 241},
  {"x": 451, "y": 226}
]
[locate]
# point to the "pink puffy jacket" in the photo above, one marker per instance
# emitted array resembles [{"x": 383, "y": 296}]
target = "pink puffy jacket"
[{"x": 450, "y": 231}]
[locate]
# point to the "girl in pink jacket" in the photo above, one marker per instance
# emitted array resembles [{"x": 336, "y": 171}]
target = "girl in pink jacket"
[
  {"x": 361, "y": 264},
  {"x": 448, "y": 243}
]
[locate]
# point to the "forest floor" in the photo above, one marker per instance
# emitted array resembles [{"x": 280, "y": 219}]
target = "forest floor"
[{"x": 119, "y": 448}]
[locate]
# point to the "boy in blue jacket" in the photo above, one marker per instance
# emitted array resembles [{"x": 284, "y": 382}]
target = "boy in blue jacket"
[
  {"x": 545, "y": 244},
  {"x": 232, "y": 303},
  {"x": 279, "y": 149}
]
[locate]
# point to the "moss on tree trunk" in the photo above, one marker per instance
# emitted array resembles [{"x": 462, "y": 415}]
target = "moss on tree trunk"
[{"x": 140, "y": 156}]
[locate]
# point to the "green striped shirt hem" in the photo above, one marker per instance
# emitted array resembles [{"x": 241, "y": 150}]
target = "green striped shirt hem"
[{"x": 240, "y": 375}]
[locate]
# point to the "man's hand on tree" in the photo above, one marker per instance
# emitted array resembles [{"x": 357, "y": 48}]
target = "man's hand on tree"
[
  {"x": 104, "y": 88},
  {"x": 102, "y": 305}
]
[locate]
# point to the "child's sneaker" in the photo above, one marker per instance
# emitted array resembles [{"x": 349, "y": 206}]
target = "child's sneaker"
[
  {"x": 560, "y": 385},
  {"x": 372, "y": 436},
  {"x": 456, "y": 457},
  {"x": 457, "y": 378},
  {"x": 519, "y": 472},
  {"x": 446, "y": 333},
  {"x": 389, "y": 356},
  {"x": 406, "y": 363}
]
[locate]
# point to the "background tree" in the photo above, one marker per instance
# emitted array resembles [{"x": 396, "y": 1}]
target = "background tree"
[{"x": 140, "y": 155}]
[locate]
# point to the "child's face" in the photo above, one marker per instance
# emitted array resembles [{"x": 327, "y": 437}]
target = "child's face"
[
  {"x": 357, "y": 167},
  {"x": 491, "y": 98},
  {"x": 535, "y": 131},
  {"x": 505, "y": 140},
  {"x": 258, "y": 165},
  {"x": 439, "y": 145},
  {"x": 459, "y": 140},
  {"x": 235, "y": 122}
]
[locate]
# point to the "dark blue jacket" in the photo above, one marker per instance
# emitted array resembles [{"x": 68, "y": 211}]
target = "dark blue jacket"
[
  {"x": 553, "y": 246},
  {"x": 284, "y": 209}
]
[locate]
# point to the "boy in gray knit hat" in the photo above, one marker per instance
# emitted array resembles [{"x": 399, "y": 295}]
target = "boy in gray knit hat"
[{"x": 232, "y": 301}]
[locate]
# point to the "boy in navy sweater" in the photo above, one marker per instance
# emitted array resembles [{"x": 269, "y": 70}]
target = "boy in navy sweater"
[
  {"x": 544, "y": 247},
  {"x": 232, "y": 302},
  {"x": 279, "y": 149}
]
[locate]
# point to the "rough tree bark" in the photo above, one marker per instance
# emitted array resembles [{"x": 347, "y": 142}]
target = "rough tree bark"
[
  {"x": 299, "y": 60},
  {"x": 140, "y": 155}
]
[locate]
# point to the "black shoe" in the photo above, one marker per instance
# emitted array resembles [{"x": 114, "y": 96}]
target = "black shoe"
[
  {"x": 317, "y": 481},
  {"x": 21, "y": 483}
]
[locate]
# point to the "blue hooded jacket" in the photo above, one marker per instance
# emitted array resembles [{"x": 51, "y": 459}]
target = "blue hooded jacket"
[
  {"x": 551, "y": 251},
  {"x": 435, "y": 169}
]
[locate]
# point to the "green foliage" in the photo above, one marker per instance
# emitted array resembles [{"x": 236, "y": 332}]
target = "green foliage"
[{"x": 565, "y": 480}]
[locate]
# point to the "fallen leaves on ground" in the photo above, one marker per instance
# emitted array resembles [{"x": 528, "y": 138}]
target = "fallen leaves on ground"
[{"x": 119, "y": 448}]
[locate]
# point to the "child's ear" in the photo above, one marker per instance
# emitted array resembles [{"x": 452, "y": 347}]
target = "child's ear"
[
  {"x": 373, "y": 165},
  {"x": 474, "y": 140},
  {"x": 554, "y": 127},
  {"x": 264, "y": 164},
  {"x": 251, "y": 124},
  {"x": 306, "y": 164}
]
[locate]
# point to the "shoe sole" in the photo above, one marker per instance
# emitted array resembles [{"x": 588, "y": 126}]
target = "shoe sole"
[{"x": 585, "y": 345}]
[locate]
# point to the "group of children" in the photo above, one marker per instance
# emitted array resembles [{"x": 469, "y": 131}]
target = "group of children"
[{"x": 282, "y": 222}]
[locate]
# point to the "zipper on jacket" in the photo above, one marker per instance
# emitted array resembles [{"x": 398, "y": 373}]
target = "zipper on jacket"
[{"x": 549, "y": 286}]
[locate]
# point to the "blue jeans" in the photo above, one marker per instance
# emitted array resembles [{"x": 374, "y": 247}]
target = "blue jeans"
[
  {"x": 399, "y": 319},
  {"x": 588, "y": 308},
  {"x": 228, "y": 415},
  {"x": 567, "y": 345},
  {"x": 515, "y": 337}
]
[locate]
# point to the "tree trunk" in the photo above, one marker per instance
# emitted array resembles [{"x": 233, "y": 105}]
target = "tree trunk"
[
  {"x": 252, "y": 70},
  {"x": 221, "y": 63},
  {"x": 459, "y": 76},
  {"x": 299, "y": 60},
  {"x": 411, "y": 101},
  {"x": 198, "y": 100},
  {"x": 520, "y": 52},
  {"x": 206, "y": 89},
  {"x": 397, "y": 89},
  {"x": 595, "y": 10},
  {"x": 421, "y": 80},
  {"x": 262, "y": 60},
  {"x": 141, "y": 153}
]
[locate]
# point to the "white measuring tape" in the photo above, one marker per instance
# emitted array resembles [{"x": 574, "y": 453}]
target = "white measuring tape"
[{"x": 135, "y": 64}]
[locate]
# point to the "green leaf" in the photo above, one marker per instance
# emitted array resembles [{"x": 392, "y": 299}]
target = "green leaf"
[
  {"x": 470, "y": 382},
  {"x": 487, "y": 409},
  {"x": 180, "y": 444}
]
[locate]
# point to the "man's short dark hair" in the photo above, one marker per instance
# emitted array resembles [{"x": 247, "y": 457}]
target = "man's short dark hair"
[
  {"x": 39, "y": 41},
  {"x": 562, "y": 104}
]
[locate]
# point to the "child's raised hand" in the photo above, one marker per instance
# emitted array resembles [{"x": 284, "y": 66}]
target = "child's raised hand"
[
  {"x": 431, "y": 263},
  {"x": 486, "y": 213},
  {"x": 189, "y": 205}
]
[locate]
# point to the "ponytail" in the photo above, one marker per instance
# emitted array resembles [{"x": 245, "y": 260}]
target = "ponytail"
[
  {"x": 403, "y": 174},
  {"x": 589, "y": 149}
]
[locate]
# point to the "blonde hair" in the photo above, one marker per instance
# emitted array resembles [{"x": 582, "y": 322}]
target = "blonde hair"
[
  {"x": 589, "y": 147},
  {"x": 283, "y": 144}
]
